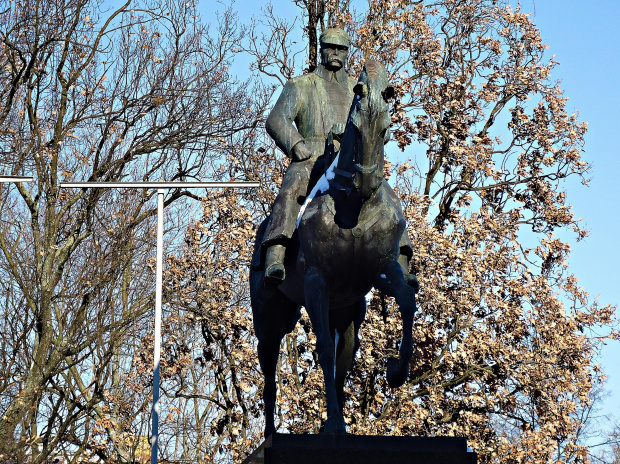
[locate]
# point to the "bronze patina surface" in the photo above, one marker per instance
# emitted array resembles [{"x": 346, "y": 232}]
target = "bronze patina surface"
[{"x": 349, "y": 239}]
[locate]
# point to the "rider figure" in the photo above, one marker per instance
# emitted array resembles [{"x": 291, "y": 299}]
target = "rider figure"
[{"x": 308, "y": 109}]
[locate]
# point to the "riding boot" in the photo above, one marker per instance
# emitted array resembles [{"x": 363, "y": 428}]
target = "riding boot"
[
  {"x": 411, "y": 279},
  {"x": 274, "y": 263}
]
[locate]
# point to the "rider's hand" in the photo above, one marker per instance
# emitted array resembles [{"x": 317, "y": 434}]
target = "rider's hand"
[{"x": 301, "y": 152}]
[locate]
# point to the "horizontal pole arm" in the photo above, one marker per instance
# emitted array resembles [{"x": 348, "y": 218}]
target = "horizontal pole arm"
[
  {"x": 159, "y": 185},
  {"x": 16, "y": 179}
]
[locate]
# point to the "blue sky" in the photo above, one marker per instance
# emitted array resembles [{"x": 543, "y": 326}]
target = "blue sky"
[{"x": 585, "y": 37}]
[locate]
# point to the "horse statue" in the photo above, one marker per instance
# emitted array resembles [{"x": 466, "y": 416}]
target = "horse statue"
[{"x": 347, "y": 243}]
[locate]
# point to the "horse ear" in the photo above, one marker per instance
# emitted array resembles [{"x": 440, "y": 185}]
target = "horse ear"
[
  {"x": 388, "y": 93},
  {"x": 360, "y": 89}
]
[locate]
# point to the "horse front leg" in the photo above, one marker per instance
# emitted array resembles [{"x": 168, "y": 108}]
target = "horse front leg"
[
  {"x": 391, "y": 282},
  {"x": 317, "y": 304},
  {"x": 347, "y": 346},
  {"x": 345, "y": 353}
]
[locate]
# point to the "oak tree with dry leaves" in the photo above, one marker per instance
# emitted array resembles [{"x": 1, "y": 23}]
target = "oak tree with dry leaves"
[
  {"x": 483, "y": 156},
  {"x": 505, "y": 338}
]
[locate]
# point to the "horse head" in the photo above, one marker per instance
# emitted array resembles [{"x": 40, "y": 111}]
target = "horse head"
[{"x": 367, "y": 130}]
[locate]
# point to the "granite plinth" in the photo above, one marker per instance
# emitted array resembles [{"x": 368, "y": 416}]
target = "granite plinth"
[{"x": 361, "y": 449}]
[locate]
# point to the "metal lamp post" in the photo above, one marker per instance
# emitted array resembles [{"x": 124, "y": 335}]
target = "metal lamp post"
[{"x": 161, "y": 188}]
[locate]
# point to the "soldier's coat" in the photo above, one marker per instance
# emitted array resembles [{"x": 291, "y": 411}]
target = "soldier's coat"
[{"x": 309, "y": 107}]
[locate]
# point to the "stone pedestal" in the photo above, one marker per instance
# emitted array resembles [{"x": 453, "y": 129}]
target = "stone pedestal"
[{"x": 361, "y": 449}]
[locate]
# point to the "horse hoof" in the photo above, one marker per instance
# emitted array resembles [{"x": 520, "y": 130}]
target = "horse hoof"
[
  {"x": 396, "y": 375},
  {"x": 275, "y": 273},
  {"x": 269, "y": 430},
  {"x": 335, "y": 426}
]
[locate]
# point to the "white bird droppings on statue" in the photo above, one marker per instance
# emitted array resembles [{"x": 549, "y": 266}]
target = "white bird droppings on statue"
[{"x": 321, "y": 186}]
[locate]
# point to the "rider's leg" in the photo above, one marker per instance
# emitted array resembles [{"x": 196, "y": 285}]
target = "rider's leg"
[{"x": 283, "y": 218}]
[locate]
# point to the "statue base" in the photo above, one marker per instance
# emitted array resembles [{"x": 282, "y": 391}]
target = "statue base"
[{"x": 361, "y": 449}]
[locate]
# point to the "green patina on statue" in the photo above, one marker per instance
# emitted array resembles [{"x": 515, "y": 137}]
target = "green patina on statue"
[
  {"x": 308, "y": 109},
  {"x": 351, "y": 234}
]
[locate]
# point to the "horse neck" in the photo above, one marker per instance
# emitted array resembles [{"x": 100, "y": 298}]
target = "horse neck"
[
  {"x": 361, "y": 153},
  {"x": 369, "y": 163},
  {"x": 359, "y": 171}
]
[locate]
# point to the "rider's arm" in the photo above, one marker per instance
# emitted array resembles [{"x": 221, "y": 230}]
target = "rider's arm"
[{"x": 280, "y": 123}]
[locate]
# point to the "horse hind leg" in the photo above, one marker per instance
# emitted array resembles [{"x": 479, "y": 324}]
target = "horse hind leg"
[
  {"x": 391, "y": 282},
  {"x": 270, "y": 332},
  {"x": 268, "y": 351}
]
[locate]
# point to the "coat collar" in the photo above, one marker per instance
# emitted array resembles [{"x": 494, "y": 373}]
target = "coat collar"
[{"x": 340, "y": 75}]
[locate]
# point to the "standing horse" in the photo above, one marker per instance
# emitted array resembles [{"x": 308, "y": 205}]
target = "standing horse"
[{"x": 347, "y": 242}]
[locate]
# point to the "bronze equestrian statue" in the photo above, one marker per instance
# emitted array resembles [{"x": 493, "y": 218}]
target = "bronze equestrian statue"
[
  {"x": 309, "y": 108},
  {"x": 348, "y": 239}
]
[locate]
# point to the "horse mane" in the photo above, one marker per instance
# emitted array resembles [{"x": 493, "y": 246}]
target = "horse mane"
[
  {"x": 374, "y": 69},
  {"x": 374, "y": 73}
]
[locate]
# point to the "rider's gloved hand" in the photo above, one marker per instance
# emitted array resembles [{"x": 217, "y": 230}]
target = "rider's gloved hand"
[{"x": 301, "y": 152}]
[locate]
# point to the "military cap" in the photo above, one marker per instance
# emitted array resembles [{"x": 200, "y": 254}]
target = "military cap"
[{"x": 334, "y": 36}]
